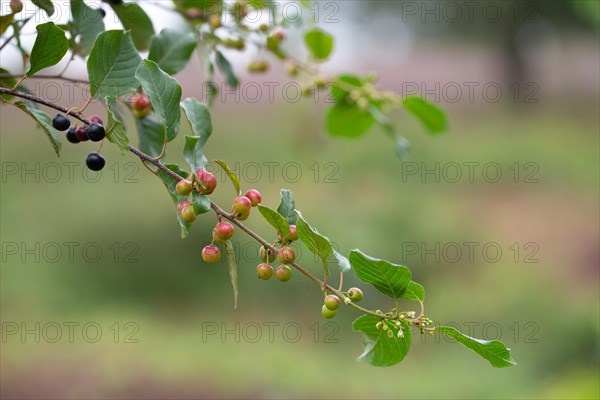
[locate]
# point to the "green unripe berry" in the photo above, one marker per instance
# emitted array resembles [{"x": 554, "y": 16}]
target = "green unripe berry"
[
  {"x": 264, "y": 271},
  {"x": 286, "y": 255},
  {"x": 187, "y": 214},
  {"x": 283, "y": 273},
  {"x": 258, "y": 66},
  {"x": 355, "y": 294},
  {"x": 332, "y": 302},
  {"x": 243, "y": 216},
  {"x": 214, "y": 21},
  {"x": 211, "y": 254},
  {"x": 327, "y": 313},
  {"x": 267, "y": 255},
  {"x": 184, "y": 187},
  {"x": 223, "y": 231}
]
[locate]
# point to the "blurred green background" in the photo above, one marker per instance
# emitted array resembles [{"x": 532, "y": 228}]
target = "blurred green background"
[{"x": 100, "y": 298}]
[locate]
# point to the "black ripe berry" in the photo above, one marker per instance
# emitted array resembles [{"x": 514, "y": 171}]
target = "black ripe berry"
[
  {"x": 102, "y": 12},
  {"x": 95, "y": 161},
  {"x": 61, "y": 122},
  {"x": 96, "y": 132},
  {"x": 71, "y": 137}
]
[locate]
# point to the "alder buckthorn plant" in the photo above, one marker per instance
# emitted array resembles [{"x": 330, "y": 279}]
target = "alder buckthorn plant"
[{"x": 131, "y": 70}]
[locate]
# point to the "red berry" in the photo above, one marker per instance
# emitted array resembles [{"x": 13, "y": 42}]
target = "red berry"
[
  {"x": 187, "y": 214},
  {"x": 242, "y": 204},
  {"x": 279, "y": 34},
  {"x": 286, "y": 255},
  {"x": 140, "y": 104},
  {"x": 283, "y": 273},
  {"x": 254, "y": 196},
  {"x": 207, "y": 180},
  {"x": 332, "y": 302},
  {"x": 184, "y": 187},
  {"x": 211, "y": 254},
  {"x": 223, "y": 231},
  {"x": 183, "y": 204},
  {"x": 81, "y": 134},
  {"x": 96, "y": 120},
  {"x": 264, "y": 271},
  {"x": 293, "y": 235},
  {"x": 16, "y": 6}
]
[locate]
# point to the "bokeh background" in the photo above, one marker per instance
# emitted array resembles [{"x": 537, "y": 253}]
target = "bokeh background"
[{"x": 100, "y": 298}]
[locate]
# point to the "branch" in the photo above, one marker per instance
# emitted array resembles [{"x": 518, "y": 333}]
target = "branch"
[
  {"x": 47, "y": 103},
  {"x": 218, "y": 210}
]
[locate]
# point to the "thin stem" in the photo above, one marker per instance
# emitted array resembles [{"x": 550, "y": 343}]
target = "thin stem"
[
  {"x": 64, "y": 78},
  {"x": 15, "y": 30},
  {"x": 218, "y": 210}
]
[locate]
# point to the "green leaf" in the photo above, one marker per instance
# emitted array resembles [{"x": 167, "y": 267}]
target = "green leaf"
[
  {"x": 342, "y": 261},
  {"x": 115, "y": 131},
  {"x": 414, "y": 291},
  {"x": 200, "y": 203},
  {"x": 348, "y": 120},
  {"x": 234, "y": 178},
  {"x": 172, "y": 49},
  {"x": 199, "y": 117},
  {"x": 380, "y": 350},
  {"x": 164, "y": 93},
  {"x": 432, "y": 117},
  {"x": 232, "y": 270},
  {"x": 135, "y": 19},
  {"x": 273, "y": 47},
  {"x": 319, "y": 43},
  {"x": 343, "y": 84},
  {"x": 88, "y": 25},
  {"x": 319, "y": 245},
  {"x": 275, "y": 219},
  {"x": 494, "y": 350},
  {"x": 151, "y": 134},
  {"x": 226, "y": 68},
  {"x": 51, "y": 45},
  {"x": 287, "y": 206},
  {"x": 45, "y": 122},
  {"x": 193, "y": 153},
  {"x": 200, "y": 4},
  {"x": 5, "y": 21},
  {"x": 45, "y": 5},
  {"x": 112, "y": 65},
  {"x": 170, "y": 183},
  {"x": 390, "y": 279}
]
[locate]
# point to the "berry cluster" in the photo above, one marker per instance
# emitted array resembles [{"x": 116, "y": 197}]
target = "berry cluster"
[
  {"x": 94, "y": 132},
  {"x": 205, "y": 183}
]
